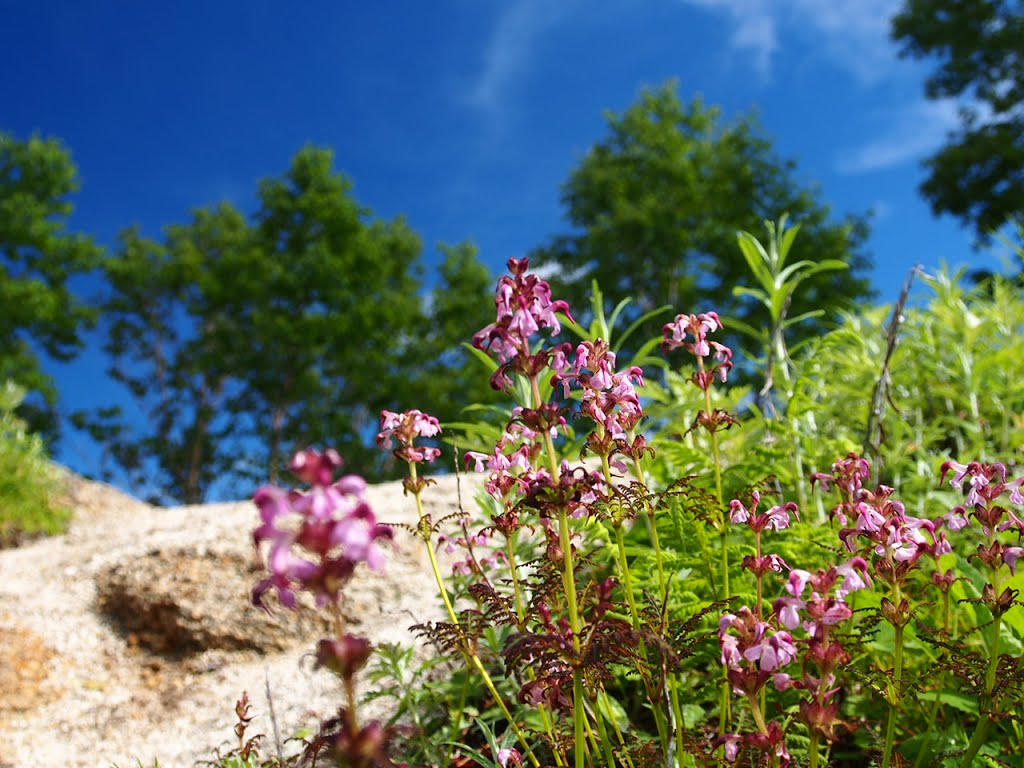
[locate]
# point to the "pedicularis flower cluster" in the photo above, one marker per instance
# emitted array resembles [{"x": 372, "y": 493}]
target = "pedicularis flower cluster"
[
  {"x": 313, "y": 541},
  {"x": 550, "y": 563}
]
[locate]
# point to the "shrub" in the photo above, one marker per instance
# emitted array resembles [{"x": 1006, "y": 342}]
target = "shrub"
[{"x": 29, "y": 506}]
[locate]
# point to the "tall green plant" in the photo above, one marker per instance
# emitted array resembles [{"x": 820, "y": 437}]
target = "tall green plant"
[
  {"x": 777, "y": 283},
  {"x": 955, "y": 387}
]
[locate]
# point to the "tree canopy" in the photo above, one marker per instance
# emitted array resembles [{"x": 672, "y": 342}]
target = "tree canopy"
[
  {"x": 243, "y": 339},
  {"x": 978, "y": 176},
  {"x": 38, "y": 257},
  {"x": 656, "y": 205}
]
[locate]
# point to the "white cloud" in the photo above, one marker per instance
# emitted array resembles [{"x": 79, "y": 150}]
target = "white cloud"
[
  {"x": 508, "y": 53},
  {"x": 910, "y": 134},
  {"x": 853, "y": 35},
  {"x": 755, "y": 30}
]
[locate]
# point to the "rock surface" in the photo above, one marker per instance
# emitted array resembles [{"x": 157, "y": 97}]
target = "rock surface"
[
  {"x": 129, "y": 639},
  {"x": 183, "y": 601}
]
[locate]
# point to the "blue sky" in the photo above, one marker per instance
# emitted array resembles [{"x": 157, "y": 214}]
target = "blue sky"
[{"x": 463, "y": 115}]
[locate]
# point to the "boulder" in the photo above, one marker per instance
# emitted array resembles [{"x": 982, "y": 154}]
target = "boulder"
[{"x": 184, "y": 601}]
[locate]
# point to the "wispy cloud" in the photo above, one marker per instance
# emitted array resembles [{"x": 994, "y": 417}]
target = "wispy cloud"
[
  {"x": 852, "y": 35},
  {"x": 507, "y": 54},
  {"x": 910, "y": 133},
  {"x": 755, "y": 31}
]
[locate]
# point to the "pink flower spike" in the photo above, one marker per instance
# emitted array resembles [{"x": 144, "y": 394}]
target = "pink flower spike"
[{"x": 405, "y": 428}]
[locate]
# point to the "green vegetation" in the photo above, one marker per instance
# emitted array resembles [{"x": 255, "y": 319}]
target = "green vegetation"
[
  {"x": 38, "y": 257},
  {"x": 30, "y": 505},
  {"x": 976, "y": 176},
  {"x": 654, "y": 210},
  {"x": 244, "y": 338}
]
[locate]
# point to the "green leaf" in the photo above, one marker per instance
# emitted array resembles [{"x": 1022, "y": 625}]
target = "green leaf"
[{"x": 959, "y": 701}]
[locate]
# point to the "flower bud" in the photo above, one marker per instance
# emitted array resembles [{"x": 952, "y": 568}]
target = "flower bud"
[
  {"x": 343, "y": 657},
  {"x": 897, "y": 615}
]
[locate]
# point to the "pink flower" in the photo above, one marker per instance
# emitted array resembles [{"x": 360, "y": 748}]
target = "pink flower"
[
  {"x": 732, "y": 742},
  {"x": 855, "y": 576},
  {"x": 405, "y": 427},
  {"x": 316, "y": 538},
  {"x": 788, "y": 610},
  {"x": 695, "y": 326},
  {"x": 773, "y": 651},
  {"x": 777, "y": 518},
  {"x": 797, "y": 582},
  {"x": 506, "y": 756},
  {"x": 690, "y": 332},
  {"x": 1010, "y": 556}
]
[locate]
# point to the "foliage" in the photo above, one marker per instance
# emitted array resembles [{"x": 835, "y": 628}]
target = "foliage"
[
  {"x": 655, "y": 207},
  {"x": 38, "y": 257},
  {"x": 976, "y": 176},
  {"x": 335, "y": 287},
  {"x": 174, "y": 317},
  {"x": 954, "y": 382},
  {"x": 645, "y": 620},
  {"x": 29, "y": 505},
  {"x": 243, "y": 338}
]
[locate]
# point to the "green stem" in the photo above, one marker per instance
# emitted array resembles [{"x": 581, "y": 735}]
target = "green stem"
[
  {"x": 755, "y": 710},
  {"x": 724, "y": 695},
  {"x": 603, "y": 700},
  {"x": 716, "y": 455},
  {"x": 677, "y": 713},
  {"x": 468, "y": 652},
  {"x": 659, "y": 715},
  {"x": 579, "y": 716},
  {"x": 627, "y": 578},
  {"x": 985, "y": 701},
  {"x": 985, "y": 723},
  {"x": 542, "y": 708},
  {"x": 930, "y": 732},
  {"x": 605, "y": 741},
  {"x": 569, "y": 583},
  {"x": 813, "y": 750},
  {"x": 895, "y": 694}
]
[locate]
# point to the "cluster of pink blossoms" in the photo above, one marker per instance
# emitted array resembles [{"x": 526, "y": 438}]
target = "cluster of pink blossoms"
[
  {"x": 316, "y": 538},
  {"x": 776, "y": 518},
  {"x": 757, "y": 651},
  {"x": 818, "y": 613},
  {"x": 405, "y": 427},
  {"x": 880, "y": 522},
  {"x": 691, "y": 333},
  {"x": 524, "y": 307},
  {"x": 609, "y": 396},
  {"x": 984, "y": 485}
]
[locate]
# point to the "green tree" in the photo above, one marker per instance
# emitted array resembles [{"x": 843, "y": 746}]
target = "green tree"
[
  {"x": 978, "y": 176},
  {"x": 175, "y": 315},
  {"x": 242, "y": 339},
  {"x": 336, "y": 315},
  {"x": 655, "y": 208},
  {"x": 38, "y": 257}
]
